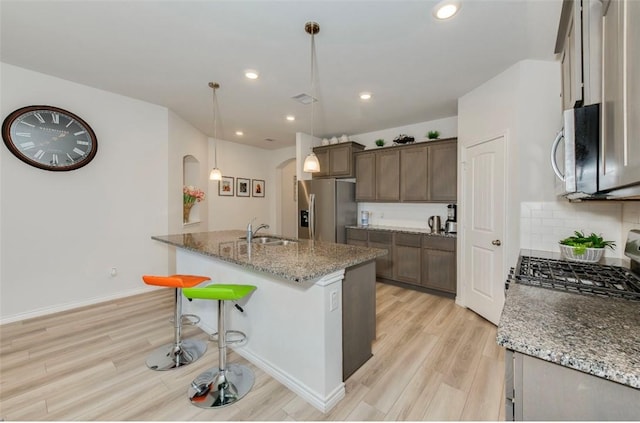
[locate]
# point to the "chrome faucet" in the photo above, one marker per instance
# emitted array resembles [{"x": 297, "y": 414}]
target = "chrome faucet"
[{"x": 251, "y": 233}]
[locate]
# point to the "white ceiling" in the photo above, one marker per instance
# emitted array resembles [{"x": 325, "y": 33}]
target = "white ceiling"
[{"x": 166, "y": 52}]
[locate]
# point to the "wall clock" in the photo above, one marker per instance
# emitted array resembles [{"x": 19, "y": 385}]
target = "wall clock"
[{"x": 49, "y": 138}]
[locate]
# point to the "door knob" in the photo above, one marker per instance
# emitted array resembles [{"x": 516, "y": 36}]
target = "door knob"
[{"x": 496, "y": 242}]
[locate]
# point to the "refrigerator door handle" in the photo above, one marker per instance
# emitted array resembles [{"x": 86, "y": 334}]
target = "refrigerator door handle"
[{"x": 312, "y": 216}]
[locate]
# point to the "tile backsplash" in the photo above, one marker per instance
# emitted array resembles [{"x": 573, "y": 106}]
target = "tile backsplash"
[
  {"x": 543, "y": 224},
  {"x": 405, "y": 215}
]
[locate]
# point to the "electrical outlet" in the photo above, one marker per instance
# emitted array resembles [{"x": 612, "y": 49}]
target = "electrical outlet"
[
  {"x": 113, "y": 272},
  {"x": 333, "y": 300}
]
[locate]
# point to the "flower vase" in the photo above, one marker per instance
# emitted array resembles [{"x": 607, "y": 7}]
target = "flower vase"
[{"x": 186, "y": 209}]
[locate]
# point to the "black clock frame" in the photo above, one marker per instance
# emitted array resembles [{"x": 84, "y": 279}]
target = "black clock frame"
[{"x": 9, "y": 142}]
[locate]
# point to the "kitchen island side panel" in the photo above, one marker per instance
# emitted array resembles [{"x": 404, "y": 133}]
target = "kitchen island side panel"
[{"x": 291, "y": 332}]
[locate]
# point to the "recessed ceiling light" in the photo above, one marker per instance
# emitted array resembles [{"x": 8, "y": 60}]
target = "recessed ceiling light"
[
  {"x": 365, "y": 96},
  {"x": 251, "y": 74},
  {"x": 446, "y": 9},
  {"x": 239, "y": 133},
  {"x": 291, "y": 118}
]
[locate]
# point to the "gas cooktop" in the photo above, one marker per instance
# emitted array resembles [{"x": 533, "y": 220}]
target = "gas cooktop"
[{"x": 583, "y": 278}]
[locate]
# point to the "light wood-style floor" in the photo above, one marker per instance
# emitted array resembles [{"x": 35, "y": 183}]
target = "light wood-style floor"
[{"x": 433, "y": 360}]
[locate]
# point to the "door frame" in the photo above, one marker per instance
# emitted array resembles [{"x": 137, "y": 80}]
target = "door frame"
[{"x": 508, "y": 238}]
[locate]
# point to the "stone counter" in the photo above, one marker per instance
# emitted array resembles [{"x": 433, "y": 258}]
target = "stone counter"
[
  {"x": 598, "y": 336},
  {"x": 301, "y": 261},
  {"x": 420, "y": 231}
]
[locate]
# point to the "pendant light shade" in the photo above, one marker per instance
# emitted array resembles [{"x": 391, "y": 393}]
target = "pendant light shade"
[
  {"x": 215, "y": 174},
  {"x": 311, "y": 163}
]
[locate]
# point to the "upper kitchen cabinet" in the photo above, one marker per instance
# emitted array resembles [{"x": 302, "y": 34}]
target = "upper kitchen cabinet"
[
  {"x": 443, "y": 171},
  {"x": 423, "y": 172},
  {"x": 620, "y": 110},
  {"x": 414, "y": 173},
  {"x": 378, "y": 176},
  {"x": 388, "y": 175},
  {"x": 579, "y": 44},
  {"x": 337, "y": 160},
  {"x": 366, "y": 176}
]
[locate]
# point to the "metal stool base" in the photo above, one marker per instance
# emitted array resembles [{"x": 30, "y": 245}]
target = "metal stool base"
[
  {"x": 214, "y": 389},
  {"x": 165, "y": 358}
]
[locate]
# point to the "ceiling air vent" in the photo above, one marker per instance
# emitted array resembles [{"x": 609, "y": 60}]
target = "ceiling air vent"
[{"x": 304, "y": 98}]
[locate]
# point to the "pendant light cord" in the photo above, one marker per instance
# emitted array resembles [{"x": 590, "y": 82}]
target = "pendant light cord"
[
  {"x": 215, "y": 85},
  {"x": 313, "y": 82}
]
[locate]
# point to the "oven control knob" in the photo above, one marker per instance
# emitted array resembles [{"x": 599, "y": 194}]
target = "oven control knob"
[{"x": 496, "y": 242}]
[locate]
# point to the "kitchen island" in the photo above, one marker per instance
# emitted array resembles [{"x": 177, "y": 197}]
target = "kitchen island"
[
  {"x": 307, "y": 294},
  {"x": 570, "y": 356}
]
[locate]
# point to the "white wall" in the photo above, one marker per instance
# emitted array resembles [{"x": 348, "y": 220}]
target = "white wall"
[
  {"x": 522, "y": 103},
  {"x": 63, "y": 231},
  {"x": 237, "y": 160},
  {"x": 185, "y": 140},
  {"x": 448, "y": 128}
]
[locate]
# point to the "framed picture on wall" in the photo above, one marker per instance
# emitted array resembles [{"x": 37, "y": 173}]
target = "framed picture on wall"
[
  {"x": 242, "y": 187},
  {"x": 257, "y": 187},
  {"x": 225, "y": 187}
]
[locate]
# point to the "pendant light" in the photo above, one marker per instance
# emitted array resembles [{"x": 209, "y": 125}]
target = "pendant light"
[
  {"x": 311, "y": 163},
  {"x": 215, "y": 174}
]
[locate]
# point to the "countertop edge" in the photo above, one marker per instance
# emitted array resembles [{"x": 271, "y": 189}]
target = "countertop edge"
[
  {"x": 375, "y": 252},
  {"x": 600, "y": 369},
  {"x": 417, "y": 231}
]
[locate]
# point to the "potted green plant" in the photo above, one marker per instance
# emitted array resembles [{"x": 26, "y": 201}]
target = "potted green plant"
[
  {"x": 379, "y": 142},
  {"x": 433, "y": 135},
  {"x": 583, "y": 248}
]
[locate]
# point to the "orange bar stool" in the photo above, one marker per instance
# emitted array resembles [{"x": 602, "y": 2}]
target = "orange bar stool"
[
  {"x": 226, "y": 384},
  {"x": 180, "y": 352}
]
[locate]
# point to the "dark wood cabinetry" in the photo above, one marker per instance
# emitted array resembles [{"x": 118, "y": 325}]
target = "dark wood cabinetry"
[
  {"x": 414, "y": 173},
  {"x": 407, "y": 260},
  {"x": 384, "y": 264},
  {"x": 414, "y": 260},
  {"x": 439, "y": 263},
  {"x": 442, "y": 172},
  {"x": 358, "y": 316},
  {"x": 423, "y": 172},
  {"x": 337, "y": 160},
  {"x": 365, "y": 176}
]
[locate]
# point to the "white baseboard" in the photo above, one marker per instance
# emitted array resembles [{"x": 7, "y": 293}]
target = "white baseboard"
[
  {"x": 69, "y": 306},
  {"x": 324, "y": 404}
]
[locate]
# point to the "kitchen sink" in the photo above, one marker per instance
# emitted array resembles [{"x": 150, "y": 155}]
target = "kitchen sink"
[{"x": 267, "y": 240}]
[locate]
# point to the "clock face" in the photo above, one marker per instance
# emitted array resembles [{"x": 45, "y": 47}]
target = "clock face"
[{"x": 49, "y": 138}]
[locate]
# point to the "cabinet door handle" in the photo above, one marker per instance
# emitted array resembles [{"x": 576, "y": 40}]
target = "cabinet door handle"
[{"x": 496, "y": 242}]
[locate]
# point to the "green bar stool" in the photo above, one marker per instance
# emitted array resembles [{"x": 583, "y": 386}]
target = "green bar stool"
[
  {"x": 180, "y": 352},
  {"x": 226, "y": 384}
]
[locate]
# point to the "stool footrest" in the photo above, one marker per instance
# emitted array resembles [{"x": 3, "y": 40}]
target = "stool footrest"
[
  {"x": 231, "y": 337},
  {"x": 188, "y": 320}
]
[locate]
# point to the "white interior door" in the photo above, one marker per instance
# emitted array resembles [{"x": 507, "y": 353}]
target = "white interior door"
[{"x": 484, "y": 225}]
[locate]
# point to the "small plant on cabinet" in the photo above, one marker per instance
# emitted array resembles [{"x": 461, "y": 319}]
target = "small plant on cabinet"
[
  {"x": 380, "y": 142},
  {"x": 433, "y": 135}
]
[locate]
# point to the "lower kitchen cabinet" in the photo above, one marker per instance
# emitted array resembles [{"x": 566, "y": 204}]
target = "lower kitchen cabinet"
[
  {"x": 538, "y": 390},
  {"x": 414, "y": 260},
  {"x": 407, "y": 260},
  {"x": 439, "y": 263},
  {"x": 384, "y": 264}
]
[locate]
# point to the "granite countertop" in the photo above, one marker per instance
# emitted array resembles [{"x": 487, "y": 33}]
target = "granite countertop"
[
  {"x": 300, "y": 261},
  {"x": 595, "y": 335},
  {"x": 421, "y": 231}
]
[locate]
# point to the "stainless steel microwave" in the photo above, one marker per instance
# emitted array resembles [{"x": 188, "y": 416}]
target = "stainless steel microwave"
[{"x": 576, "y": 163}]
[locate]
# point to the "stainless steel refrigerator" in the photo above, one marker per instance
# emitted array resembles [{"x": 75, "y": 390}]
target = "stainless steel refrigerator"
[{"x": 325, "y": 208}]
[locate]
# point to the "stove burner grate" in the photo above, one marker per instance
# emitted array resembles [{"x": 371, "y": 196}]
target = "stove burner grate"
[{"x": 583, "y": 278}]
